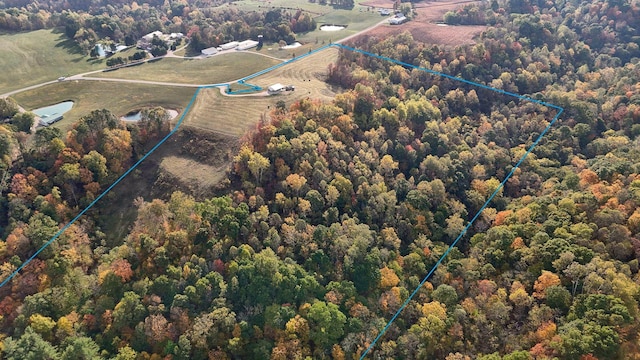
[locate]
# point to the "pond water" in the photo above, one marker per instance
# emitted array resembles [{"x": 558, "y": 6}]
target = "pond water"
[
  {"x": 57, "y": 109},
  {"x": 100, "y": 50},
  {"x": 331, "y": 27},
  {"x": 52, "y": 113},
  {"x": 292, "y": 46},
  {"x": 133, "y": 117},
  {"x": 136, "y": 116}
]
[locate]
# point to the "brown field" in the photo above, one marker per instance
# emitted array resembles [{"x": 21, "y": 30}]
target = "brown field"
[
  {"x": 195, "y": 161},
  {"x": 424, "y": 26},
  {"x": 234, "y": 115}
]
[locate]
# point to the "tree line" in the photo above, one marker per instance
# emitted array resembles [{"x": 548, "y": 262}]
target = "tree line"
[
  {"x": 334, "y": 212},
  {"x": 205, "y": 22}
]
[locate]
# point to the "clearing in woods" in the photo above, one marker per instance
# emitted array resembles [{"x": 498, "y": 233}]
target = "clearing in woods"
[
  {"x": 427, "y": 26},
  {"x": 358, "y": 18},
  {"x": 234, "y": 115}
]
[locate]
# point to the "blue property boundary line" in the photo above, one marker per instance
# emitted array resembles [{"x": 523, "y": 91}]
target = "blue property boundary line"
[
  {"x": 252, "y": 88},
  {"x": 464, "y": 231},
  {"x": 105, "y": 192}
]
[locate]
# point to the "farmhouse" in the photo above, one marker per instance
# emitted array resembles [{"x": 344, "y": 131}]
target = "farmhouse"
[
  {"x": 275, "y": 89},
  {"x": 209, "y": 51},
  {"x": 397, "y": 20},
  {"x": 229, "y": 45},
  {"x": 145, "y": 42},
  {"x": 147, "y": 38},
  {"x": 247, "y": 44}
]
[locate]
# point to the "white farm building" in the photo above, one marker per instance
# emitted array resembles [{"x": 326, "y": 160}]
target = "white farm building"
[
  {"x": 229, "y": 45},
  {"x": 275, "y": 89},
  {"x": 247, "y": 44},
  {"x": 397, "y": 20},
  {"x": 209, "y": 51},
  {"x": 147, "y": 38}
]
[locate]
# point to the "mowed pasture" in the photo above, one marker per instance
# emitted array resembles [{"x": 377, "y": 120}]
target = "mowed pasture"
[
  {"x": 119, "y": 98},
  {"x": 35, "y": 57},
  {"x": 261, "y": 5},
  {"x": 357, "y": 19},
  {"x": 213, "y": 70},
  {"x": 234, "y": 115}
]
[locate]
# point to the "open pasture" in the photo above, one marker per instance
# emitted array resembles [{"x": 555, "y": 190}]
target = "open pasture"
[
  {"x": 119, "y": 98},
  {"x": 234, "y": 115},
  {"x": 213, "y": 70},
  {"x": 35, "y": 57}
]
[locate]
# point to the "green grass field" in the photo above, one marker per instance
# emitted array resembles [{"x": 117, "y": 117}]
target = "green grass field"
[
  {"x": 259, "y": 5},
  {"x": 119, "y": 98},
  {"x": 234, "y": 115},
  {"x": 216, "y": 69},
  {"x": 38, "y": 56},
  {"x": 356, "y": 19}
]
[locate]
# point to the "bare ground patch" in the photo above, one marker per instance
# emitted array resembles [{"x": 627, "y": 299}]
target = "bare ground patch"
[
  {"x": 194, "y": 177},
  {"x": 425, "y": 28},
  {"x": 194, "y": 161}
]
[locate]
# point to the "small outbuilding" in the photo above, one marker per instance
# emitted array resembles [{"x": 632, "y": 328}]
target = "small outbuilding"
[
  {"x": 397, "y": 20},
  {"x": 47, "y": 120},
  {"x": 275, "y": 89}
]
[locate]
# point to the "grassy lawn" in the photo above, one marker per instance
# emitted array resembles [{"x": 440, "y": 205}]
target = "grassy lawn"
[
  {"x": 119, "y": 98},
  {"x": 234, "y": 115},
  {"x": 216, "y": 69},
  {"x": 258, "y": 5},
  {"x": 38, "y": 56},
  {"x": 356, "y": 20},
  {"x": 126, "y": 53},
  {"x": 181, "y": 52}
]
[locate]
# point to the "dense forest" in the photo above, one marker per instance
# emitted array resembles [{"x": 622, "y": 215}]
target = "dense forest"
[{"x": 334, "y": 212}]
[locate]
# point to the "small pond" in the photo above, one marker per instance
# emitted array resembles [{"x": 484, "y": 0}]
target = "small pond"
[
  {"x": 331, "y": 27},
  {"x": 100, "y": 50},
  {"x": 133, "y": 116},
  {"x": 52, "y": 113},
  {"x": 58, "y": 109},
  {"x": 137, "y": 116},
  {"x": 292, "y": 46}
]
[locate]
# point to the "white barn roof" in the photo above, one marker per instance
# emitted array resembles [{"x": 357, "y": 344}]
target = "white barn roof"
[
  {"x": 209, "y": 51},
  {"x": 275, "y": 87},
  {"x": 229, "y": 45},
  {"x": 247, "y": 44}
]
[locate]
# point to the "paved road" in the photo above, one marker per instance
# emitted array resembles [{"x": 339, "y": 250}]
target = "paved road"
[
  {"x": 384, "y": 21},
  {"x": 28, "y": 88},
  {"x": 140, "y": 81}
]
